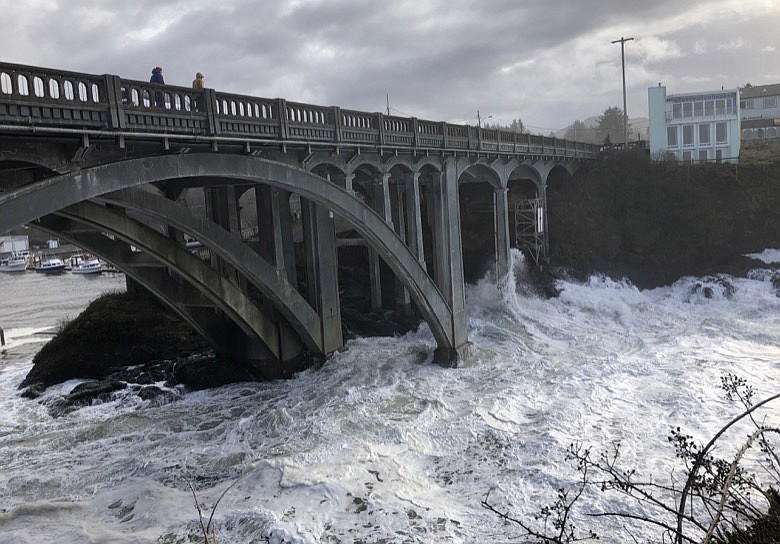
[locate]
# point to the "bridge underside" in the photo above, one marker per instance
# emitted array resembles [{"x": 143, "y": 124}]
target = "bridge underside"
[
  {"x": 270, "y": 229},
  {"x": 267, "y": 294}
]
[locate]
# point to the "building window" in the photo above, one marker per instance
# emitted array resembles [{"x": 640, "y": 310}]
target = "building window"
[
  {"x": 746, "y": 104},
  {"x": 719, "y": 155},
  {"x": 676, "y": 110},
  {"x": 698, "y": 109},
  {"x": 687, "y": 157},
  {"x": 687, "y": 109},
  {"x": 703, "y": 155},
  {"x": 671, "y": 137},
  {"x": 720, "y": 107},
  {"x": 709, "y": 108},
  {"x": 721, "y": 133},
  {"x": 704, "y": 135},
  {"x": 770, "y": 102},
  {"x": 688, "y": 136},
  {"x": 771, "y": 133}
]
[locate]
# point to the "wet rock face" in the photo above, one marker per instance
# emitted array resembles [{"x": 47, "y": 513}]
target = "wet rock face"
[
  {"x": 713, "y": 286},
  {"x": 657, "y": 222},
  {"x": 115, "y": 333}
]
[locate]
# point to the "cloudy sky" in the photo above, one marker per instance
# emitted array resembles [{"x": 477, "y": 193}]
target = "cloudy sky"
[{"x": 547, "y": 62}]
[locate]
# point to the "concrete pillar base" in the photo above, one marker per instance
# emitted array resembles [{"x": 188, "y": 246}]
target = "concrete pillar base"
[{"x": 451, "y": 357}]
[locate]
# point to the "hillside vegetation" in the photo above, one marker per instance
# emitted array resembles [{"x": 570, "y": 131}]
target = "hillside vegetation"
[{"x": 655, "y": 222}]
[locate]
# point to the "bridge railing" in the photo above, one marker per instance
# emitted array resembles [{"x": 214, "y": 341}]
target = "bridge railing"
[
  {"x": 82, "y": 98},
  {"x": 41, "y": 97}
]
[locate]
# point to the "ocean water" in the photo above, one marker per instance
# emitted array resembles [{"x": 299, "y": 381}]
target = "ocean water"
[{"x": 380, "y": 444}]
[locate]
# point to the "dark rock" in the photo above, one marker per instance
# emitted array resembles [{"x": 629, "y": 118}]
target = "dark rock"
[
  {"x": 115, "y": 331},
  {"x": 87, "y": 392},
  {"x": 34, "y": 390},
  {"x": 157, "y": 395},
  {"x": 203, "y": 372},
  {"x": 709, "y": 286},
  {"x": 146, "y": 374},
  {"x": 84, "y": 395}
]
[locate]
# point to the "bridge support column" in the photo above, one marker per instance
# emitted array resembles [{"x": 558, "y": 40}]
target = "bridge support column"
[
  {"x": 383, "y": 207},
  {"x": 274, "y": 222},
  {"x": 222, "y": 209},
  {"x": 501, "y": 217},
  {"x": 319, "y": 232},
  {"x": 414, "y": 236},
  {"x": 545, "y": 229},
  {"x": 402, "y": 298},
  {"x": 448, "y": 256}
]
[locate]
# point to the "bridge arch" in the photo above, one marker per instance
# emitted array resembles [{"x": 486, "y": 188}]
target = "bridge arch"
[{"x": 50, "y": 195}]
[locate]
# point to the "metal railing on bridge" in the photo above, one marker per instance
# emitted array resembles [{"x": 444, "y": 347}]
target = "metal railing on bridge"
[{"x": 59, "y": 101}]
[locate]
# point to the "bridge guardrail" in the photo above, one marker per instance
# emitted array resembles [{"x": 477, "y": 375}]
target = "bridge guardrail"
[{"x": 42, "y": 97}]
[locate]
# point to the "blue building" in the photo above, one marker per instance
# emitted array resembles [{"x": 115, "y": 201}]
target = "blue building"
[{"x": 694, "y": 127}]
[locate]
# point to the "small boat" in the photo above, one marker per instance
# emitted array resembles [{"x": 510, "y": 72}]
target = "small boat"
[
  {"x": 15, "y": 263},
  {"x": 89, "y": 266},
  {"x": 51, "y": 266}
]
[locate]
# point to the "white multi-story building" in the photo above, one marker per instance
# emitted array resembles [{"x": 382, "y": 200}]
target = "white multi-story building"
[
  {"x": 694, "y": 127},
  {"x": 759, "y": 107}
]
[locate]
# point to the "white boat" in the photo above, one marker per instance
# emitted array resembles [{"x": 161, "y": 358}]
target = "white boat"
[
  {"x": 14, "y": 263},
  {"x": 89, "y": 266},
  {"x": 51, "y": 266}
]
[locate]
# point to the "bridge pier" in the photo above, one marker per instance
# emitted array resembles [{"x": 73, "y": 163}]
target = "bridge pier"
[
  {"x": 402, "y": 299},
  {"x": 501, "y": 229},
  {"x": 275, "y": 244},
  {"x": 319, "y": 234},
  {"x": 448, "y": 258}
]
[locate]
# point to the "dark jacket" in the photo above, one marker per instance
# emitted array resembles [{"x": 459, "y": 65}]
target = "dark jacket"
[{"x": 157, "y": 77}]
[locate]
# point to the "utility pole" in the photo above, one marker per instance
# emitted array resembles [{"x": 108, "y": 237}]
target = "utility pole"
[{"x": 622, "y": 42}]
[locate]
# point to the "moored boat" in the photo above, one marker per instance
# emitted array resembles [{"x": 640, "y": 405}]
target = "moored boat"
[
  {"x": 14, "y": 263},
  {"x": 51, "y": 266},
  {"x": 89, "y": 266}
]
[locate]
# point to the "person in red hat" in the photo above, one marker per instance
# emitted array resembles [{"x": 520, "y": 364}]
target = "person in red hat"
[{"x": 157, "y": 77}]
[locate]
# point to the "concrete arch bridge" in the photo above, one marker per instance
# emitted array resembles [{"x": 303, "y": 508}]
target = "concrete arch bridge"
[{"x": 278, "y": 195}]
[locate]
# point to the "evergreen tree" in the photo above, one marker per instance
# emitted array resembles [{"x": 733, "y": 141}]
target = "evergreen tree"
[
  {"x": 580, "y": 132},
  {"x": 515, "y": 126},
  {"x": 610, "y": 125}
]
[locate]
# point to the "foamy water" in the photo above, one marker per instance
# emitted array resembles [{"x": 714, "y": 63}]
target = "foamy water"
[{"x": 380, "y": 444}]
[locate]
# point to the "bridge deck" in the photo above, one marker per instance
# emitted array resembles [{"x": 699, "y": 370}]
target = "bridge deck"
[{"x": 48, "y": 101}]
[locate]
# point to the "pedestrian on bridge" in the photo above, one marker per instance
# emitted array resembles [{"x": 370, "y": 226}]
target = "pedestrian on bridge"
[
  {"x": 198, "y": 85},
  {"x": 157, "y": 77}
]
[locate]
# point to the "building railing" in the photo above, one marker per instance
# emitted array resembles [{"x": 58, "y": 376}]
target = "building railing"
[{"x": 41, "y": 97}]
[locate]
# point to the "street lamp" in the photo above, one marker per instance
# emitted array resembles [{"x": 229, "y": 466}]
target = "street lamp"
[
  {"x": 479, "y": 119},
  {"x": 622, "y": 42}
]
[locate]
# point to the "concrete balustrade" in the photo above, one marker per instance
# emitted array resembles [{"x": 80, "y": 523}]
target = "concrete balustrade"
[{"x": 41, "y": 97}]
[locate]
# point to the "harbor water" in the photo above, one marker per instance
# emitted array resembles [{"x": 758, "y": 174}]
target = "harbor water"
[{"x": 380, "y": 444}]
